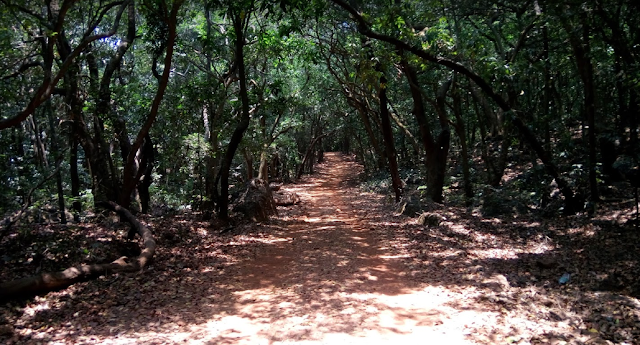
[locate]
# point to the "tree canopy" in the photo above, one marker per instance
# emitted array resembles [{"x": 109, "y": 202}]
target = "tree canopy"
[{"x": 174, "y": 102}]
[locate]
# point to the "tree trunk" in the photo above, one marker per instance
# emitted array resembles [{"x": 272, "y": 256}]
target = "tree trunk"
[
  {"x": 58, "y": 158},
  {"x": 436, "y": 151},
  {"x": 223, "y": 199},
  {"x": 129, "y": 176},
  {"x": 572, "y": 204},
  {"x": 212, "y": 160},
  {"x": 263, "y": 170},
  {"x": 462, "y": 134},
  {"x": 76, "y": 205},
  {"x": 275, "y": 166},
  {"x": 105, "y": 185},
  {"x": 582, "y": 53},
  {"x": 38, "y": 145},
  {"x": 53, "y": 281},
  {"x": 634, "y": 113},
  {"x": 387, "y": 134},
  {"x": 146, "y": 166},
  {"x": 248, "y": 160}
]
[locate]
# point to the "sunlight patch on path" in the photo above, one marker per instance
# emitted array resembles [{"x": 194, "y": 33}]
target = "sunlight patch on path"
[
  {"x": 421, "y": 317},
  {"x": 416, "y": 318}
]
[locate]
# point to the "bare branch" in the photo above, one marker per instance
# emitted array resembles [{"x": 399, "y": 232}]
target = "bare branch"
[{"x": 23, "y": 67}]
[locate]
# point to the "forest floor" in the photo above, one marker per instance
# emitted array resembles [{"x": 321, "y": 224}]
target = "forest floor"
[{"x": 341, "y": 267}]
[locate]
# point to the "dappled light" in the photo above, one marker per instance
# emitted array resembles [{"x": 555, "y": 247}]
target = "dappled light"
[
  {"x": 313, "y": 275},
  {"x": 319, "y": 172}
]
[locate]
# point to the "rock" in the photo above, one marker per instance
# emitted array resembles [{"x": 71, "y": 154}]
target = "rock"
[
  {"x": 564, "y": 279},
  {"x": 409, "y": 206},
  {"x": 257, "y": 201},
  {"x": 429, "y": 219},
  {"x": 286, "y": 198}
]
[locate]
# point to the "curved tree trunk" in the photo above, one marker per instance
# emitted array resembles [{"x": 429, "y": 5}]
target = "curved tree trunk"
[
  {"x": 130, "y": 177},
  {"x": 572, "y": 203},
  {"x": 46, "y": 282}
]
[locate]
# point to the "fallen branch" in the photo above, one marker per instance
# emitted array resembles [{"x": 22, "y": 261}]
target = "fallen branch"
[{"x": 45, "y": 282}]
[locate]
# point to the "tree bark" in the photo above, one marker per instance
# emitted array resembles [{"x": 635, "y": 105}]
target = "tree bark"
[
  {"x": 436, "y": 150},
  {"x": 76, "y": 205},
  {"x": 130, "y": 176},
  {"x": 55, "y": 150},
  {"x": 238, "y": 19},
  {"x": 582, "y": 52},
  {"x": 462, "y": 134},
  {"x": 387, "y": 134},
  {"x": 146, "y": 166},
  {"x": 263, "y": 170}
]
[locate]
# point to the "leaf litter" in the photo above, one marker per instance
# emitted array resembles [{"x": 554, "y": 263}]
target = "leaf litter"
[{"x": 340, "y": 267}]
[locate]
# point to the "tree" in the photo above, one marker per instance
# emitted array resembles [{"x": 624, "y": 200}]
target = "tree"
[
  {"x": 240, "y": 14},
  {"x": 364, "y": 27}
]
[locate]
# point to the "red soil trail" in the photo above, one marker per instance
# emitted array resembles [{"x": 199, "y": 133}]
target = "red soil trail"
[
  {"x": 331, "y": 245},
  {"x": 331, "y": 270},
  {"x": 332, "y": 274},
  {"x": 339, "y": 268}
]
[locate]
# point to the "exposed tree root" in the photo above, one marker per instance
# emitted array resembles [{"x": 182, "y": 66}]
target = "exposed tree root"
[{"x": 45, "y": 282}]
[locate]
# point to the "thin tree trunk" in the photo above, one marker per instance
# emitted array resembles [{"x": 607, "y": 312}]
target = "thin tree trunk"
[
  {"x": 130, "y": 178},
  {"x": 55, "y": 151},
  {"x": 387, "y": 134},
  {"x": 582, "y": 51},
  {"x": 462, "y": 134},
  {"x": 243, "y": 124},
  {"x": 571, "y": 202},
  {"x": 75, "y": 179},
  {"x": 146, "y": 166}
]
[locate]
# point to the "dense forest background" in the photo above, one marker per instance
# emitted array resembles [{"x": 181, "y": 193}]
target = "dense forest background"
[{"x": 171, "y": 103}]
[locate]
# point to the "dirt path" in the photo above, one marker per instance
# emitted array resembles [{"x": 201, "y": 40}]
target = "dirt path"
[
  {"x": 339, "y": 268},
  {"x": 331, "y": 275}
]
